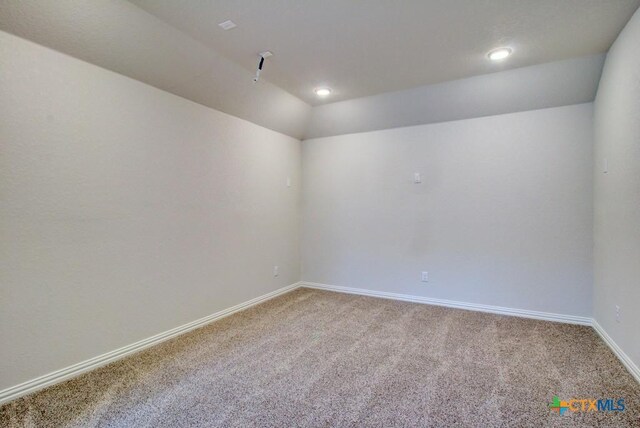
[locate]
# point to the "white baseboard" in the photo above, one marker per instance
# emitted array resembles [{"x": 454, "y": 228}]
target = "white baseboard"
[
  {"x": 624, "y": 358},
  {"x": 546, "y": 316},
  {"x": 60, "y": 375},
  {"x": 101, "y": 360},
  {"x": 524, "y": 313}
]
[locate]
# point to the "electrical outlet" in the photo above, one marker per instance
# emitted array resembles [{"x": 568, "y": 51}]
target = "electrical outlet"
[
  {"x": 417, "y": 178},
  {"x": 617, "y": 313},
  {"x": 275, "y": 271},
  {"x": 288, "y": 181},
  {"x": 424, "y": 277}
]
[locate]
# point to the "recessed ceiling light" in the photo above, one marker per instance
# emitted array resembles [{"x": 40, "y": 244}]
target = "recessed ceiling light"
[
  {"x": 227, "y": 25},
  {"x": 322, "y": 92},
  {"x": 499, "y": 53}
]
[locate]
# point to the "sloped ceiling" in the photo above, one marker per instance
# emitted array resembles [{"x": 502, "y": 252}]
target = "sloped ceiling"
[
  {"x": 359, "y": 48},
  {"x": 366, "y": 47},
  {"x": 118, "y": 36},
  {"x": 554, "y": 84}
]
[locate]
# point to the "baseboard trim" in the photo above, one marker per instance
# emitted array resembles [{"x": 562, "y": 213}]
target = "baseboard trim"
[
  {"x": 524, "y": 313},
  {"x": 41, "y": 382},
  {"x": 618, "y": 352},
  {"x": 57, "y": 376},
  {"x": 546, "y": 316}
]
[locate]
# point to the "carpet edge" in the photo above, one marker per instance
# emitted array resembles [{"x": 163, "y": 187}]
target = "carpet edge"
[
  {"x": 41, "y": 382},
  {"x": 626, "y": 361},
  {"x": 499, "y": 310}
]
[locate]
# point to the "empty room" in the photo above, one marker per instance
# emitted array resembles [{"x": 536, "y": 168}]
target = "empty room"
[{"x": 319, "y": 213}]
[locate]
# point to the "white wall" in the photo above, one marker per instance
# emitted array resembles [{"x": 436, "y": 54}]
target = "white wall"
[
  {"x": 617, "y": 193},
  {"x": 126, "y": 211},
  {"x": 503, "y": 215},
  {"x": 555, "y": 84}
]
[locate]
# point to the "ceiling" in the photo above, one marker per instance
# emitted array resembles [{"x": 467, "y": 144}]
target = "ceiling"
[
  {"x": 121, "y": 37},
  {"x": 366, "y": 47},
  {"x": 358, "y": 47}
]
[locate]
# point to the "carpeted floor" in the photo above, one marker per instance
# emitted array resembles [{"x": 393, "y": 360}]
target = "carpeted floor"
[{"x": 320, "y": 359}]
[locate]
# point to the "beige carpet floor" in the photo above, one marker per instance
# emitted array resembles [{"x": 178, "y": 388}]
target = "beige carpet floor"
[{"x": 319, "y": 359}]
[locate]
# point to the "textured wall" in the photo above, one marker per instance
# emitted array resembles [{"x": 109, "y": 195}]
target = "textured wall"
[
  {"x": 503, "y": 215},
  {"x": 126, "y": 211},
  {"x": 617, "y": 192}
]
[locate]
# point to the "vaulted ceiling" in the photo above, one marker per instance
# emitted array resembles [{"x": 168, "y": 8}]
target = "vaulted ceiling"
[
  {"x": 365, "y": 47},
  {"x": 357, "y": 47}
]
